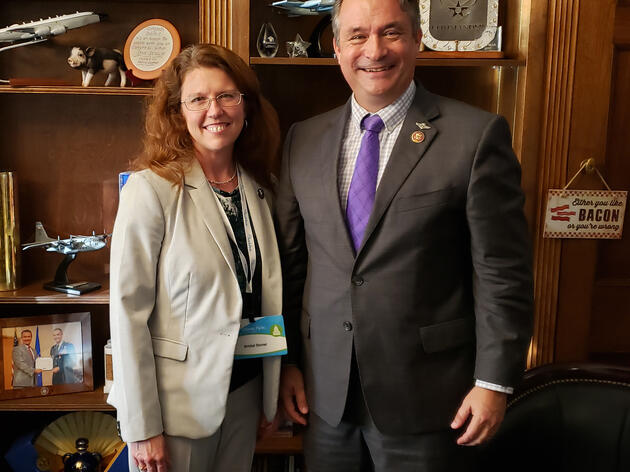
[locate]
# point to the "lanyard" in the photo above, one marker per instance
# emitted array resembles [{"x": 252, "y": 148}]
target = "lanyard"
[{"x": 249, "y": 235}]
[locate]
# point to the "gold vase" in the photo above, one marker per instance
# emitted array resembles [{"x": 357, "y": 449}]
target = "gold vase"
[{"x": 9, "y": 233}]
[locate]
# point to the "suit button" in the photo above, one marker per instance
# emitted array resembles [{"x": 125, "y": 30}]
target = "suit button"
[
  {"x": 347, "y": 326},
  {"x": 356, "y": 280}
]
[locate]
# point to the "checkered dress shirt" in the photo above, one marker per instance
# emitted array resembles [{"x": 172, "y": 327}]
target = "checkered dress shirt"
[{"x": 393, "y": 116}]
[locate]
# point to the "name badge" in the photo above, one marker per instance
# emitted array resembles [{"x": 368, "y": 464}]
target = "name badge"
[{"x": 262, "y": 338}]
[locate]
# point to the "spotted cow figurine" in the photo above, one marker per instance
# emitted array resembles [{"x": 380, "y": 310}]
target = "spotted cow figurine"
[{"x": 92, "y": 60}]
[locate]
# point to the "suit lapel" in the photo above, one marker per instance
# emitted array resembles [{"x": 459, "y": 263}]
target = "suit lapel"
[
  {"x": 201, "y": 195},
  {"x": 330, "y": 150},
  {"x": 404, "y": 157}
]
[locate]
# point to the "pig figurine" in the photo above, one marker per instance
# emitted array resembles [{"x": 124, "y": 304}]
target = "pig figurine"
[{"x": 91, "y": 60}]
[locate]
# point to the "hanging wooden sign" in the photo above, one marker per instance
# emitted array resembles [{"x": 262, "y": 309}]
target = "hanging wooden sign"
[{"x": 585, "y": 214}]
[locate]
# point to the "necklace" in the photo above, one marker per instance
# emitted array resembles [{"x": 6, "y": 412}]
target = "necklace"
[{"x": 225, "y": 181}]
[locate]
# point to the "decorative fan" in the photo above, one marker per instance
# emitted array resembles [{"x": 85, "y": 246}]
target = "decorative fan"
[{"x": 59, "y": 437}]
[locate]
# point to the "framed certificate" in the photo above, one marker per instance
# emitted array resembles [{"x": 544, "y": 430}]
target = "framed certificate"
[{"x": 44, "y": 363}]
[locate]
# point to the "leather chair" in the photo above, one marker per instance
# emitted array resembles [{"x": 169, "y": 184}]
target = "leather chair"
[{"x": 565, "y": 417}]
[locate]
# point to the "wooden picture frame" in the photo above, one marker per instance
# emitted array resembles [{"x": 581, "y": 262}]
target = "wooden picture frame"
[{"x": 64, "y": 359}]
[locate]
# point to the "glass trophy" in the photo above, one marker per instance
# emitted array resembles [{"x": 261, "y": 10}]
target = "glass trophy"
[
  {"x": 267, "y": 43},
  {"x": 297, "y": 48}
]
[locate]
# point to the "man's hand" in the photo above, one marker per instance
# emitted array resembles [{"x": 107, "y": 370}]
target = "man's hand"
[
  {"x": 292, "y": 395},
  {"x": 55, "y": 370},
  {"x": 486, "y": 409},
  {"x": 150, "y": 455}
]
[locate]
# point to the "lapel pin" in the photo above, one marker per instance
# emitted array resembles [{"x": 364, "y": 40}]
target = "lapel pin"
[
  {"x": 417, "y": 136},
  {"x": 423, "y": 125},
  {"x": 261, "y": 193}
]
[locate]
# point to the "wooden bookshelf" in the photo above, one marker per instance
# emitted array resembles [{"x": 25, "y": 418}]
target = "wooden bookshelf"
[
  {"x": 80, "y": 401},
  {"x": 35, "y": 293},
  {"x": 280, "y": 445},
  {"x": 424, "y": 59}
]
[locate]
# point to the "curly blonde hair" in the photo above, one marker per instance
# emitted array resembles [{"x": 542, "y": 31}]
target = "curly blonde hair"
[{"x": 168, "y": 146}]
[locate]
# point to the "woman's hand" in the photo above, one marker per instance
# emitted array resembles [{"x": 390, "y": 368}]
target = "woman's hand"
[{"x": 150, "y": 455}]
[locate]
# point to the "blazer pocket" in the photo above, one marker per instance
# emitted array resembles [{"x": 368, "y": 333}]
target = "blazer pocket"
[
  {"x": 447, "y": 335},
  {"x": 170, "y": 349},
  {"x": 413, "y": 202}
]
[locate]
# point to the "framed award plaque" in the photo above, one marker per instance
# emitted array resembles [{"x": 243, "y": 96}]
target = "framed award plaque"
[
  {"x": 150, "y": 47},
  {"x": 458, "y": 25}
]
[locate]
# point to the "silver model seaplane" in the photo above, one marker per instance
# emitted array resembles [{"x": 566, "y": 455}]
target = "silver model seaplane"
[
  {"x": 72, "y": 245},
  {"x": 40, "y": 30}
]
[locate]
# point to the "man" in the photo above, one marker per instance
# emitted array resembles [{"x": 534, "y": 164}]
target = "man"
[
  {"x": 24, "y": 356},
  {"x": 406, "y": 261},
  {"x": 64, "y": 360}
]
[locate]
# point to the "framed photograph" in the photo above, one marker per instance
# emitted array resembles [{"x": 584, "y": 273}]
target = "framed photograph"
[{"x": 45, "y": 355}]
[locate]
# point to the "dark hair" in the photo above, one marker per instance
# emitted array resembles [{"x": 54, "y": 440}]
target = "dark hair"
[
  {"x": 26, "y": 331},
  {"x": 410, "y": 7},
  {"x": 168, "y": 146}
]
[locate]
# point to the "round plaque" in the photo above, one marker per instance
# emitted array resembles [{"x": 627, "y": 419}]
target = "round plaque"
[{"x": 150, "y": 47}]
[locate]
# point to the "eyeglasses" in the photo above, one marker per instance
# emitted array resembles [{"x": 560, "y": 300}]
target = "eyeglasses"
[{"x": 224, "y": 100}]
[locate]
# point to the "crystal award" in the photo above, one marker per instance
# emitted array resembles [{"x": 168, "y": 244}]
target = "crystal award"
[{"x": 267, "y": 43}]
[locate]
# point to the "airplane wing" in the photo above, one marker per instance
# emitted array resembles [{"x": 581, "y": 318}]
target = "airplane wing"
[
  {"x": 15, "y": 35},
  {"x": 47, "y": 244}
]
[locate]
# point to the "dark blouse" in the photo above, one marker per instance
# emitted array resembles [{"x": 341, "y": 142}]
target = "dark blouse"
[{"x": 243, "y": 370}]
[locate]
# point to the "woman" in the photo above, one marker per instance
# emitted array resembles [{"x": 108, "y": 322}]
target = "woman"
[{"x": 193, "y": 252}]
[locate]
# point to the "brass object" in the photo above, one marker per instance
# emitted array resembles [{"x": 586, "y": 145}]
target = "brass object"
[
  {"x": 9, "y": 233},
  {"x": 82, "y": 460},
  {"x": 417, "y": 137}
]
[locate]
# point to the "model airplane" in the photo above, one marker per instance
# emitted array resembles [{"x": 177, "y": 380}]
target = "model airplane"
[
  {"x": 72, "y": 245},
  {"x": 309, "y": 7},
  {"x": 41, "y": 30},
  {"x": 69, "y": 248}
]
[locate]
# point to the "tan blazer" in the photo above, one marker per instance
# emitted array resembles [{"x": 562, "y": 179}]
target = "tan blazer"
[{"x": 176, "y": 305}]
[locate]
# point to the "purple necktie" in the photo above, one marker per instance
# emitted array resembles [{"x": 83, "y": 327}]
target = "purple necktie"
[{"x": 363, "y": 185}]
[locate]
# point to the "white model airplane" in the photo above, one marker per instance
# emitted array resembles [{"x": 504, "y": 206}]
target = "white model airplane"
[
  {"x": 42, "y": 29},
  {"x": 309, "y": 7},
  {"x": 72, "y": 245}
]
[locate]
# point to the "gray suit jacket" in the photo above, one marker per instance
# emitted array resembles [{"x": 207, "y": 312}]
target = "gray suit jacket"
[
  {"x": 23, "y": 367},
  {"x": 440, "y": 293}
]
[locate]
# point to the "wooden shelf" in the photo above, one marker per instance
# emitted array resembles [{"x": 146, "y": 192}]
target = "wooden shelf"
[
  {"x": 280, "y": 445},
  {"x": 36, "y": 294},
  {"x": 78, "y": 90},
  {"x": 80, "y": 401},
  {"x": 424, "y": 59}
]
